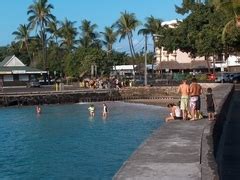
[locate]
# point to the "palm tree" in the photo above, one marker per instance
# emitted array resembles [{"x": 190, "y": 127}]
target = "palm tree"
[
  {"x": 109, "y": 38},
  {"x": 22, "y": 36},
  {"x": 40, "y": 17},
  {"x": 68, "y": 34},
  {"x": 53, "y": 30},
  {"x": 151, "y": 27},
  {"x": 88, "y": 34},
  {"x": 125, "y": 25}
]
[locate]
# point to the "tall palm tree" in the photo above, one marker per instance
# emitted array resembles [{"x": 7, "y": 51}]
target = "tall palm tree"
[
  {"x": 125, "y": 25},
  {"x": 151, "y": 27},
  {"x": 40, "y": 16},
  {"x": 68, "y": 34},
  {"x": 22, "y": 36},
  {"x": 88, "y": 34},
  {"x": 109, "y": 38}
]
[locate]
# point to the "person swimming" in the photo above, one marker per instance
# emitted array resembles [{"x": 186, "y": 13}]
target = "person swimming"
[{"x": 91, "y": 110}]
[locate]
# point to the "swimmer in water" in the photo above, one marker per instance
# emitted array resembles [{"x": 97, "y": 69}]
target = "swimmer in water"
[
  {"x": 38, "y": 109},
  {"x": 105, "y": 110},
  {"x": 91, "y": 110}
]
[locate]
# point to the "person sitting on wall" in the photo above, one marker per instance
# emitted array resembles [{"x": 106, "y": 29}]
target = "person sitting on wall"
[{"x": 175, "y": 112}]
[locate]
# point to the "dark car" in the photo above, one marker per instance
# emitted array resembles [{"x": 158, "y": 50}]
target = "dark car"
[
  {"x": 236, "y": 78},
  {"x": 33, "y": 83}
]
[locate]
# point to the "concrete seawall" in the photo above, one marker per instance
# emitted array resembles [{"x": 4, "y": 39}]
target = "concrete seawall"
[
  {"x": 87, "y": 95},
  {"x": 180, "y": 150}
]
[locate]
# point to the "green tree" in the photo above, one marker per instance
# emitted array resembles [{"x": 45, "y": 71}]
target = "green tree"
[
  {"x": 153, "y": 27},
  {"x": 125, "y": 25},
  {"x": 68, "y": 34},
  {"x": 88, "y": 35},
  {"x": 22, "y": 35},
  {"x": 54, "y": 31},
  {"x": 231, "y": 8},
  {"x": 109, "y": 38}
]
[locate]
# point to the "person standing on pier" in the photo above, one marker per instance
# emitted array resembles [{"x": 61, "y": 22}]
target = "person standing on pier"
[
  {"x": 184, "y": 90},
  {"x": 195, "y": 101},
  {"x": 210, "y": 104}
]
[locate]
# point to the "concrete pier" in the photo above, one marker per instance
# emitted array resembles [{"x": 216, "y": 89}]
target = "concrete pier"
[{"x": 178, "y": 150}]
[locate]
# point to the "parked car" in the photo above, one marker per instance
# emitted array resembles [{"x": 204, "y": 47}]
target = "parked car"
[
  {"x": 223, "y": 77},
  {"x": 233, "y": 76},
  {"x": 33, "y": 83},
  {"x": 236, "y": 79}
]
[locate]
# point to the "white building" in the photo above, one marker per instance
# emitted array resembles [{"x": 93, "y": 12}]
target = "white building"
[
  {"x": 14, "y": 72},
  {"x": 232, "y": 64}
]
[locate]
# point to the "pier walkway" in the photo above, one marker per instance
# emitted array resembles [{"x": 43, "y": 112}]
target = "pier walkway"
[{"x": 179, "y": 150}]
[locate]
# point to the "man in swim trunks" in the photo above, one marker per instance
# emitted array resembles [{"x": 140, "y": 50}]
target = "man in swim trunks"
[
  {"x": 195, "y": 101},
  {"x": 184, "y": 89}
]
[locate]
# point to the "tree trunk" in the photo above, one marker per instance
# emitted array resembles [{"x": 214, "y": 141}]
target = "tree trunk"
[
  {"x": 207, "y": 60},
  {"x": 133, "y": 55}
]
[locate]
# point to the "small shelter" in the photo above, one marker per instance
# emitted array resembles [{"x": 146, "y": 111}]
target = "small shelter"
[
  {"x": 14, "y": 72},
  {"x": 174, "y": 66}
]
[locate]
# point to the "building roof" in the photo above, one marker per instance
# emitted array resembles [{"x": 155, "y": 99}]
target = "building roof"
[
  {"x": 174, "y": 65},
  {"x": 11, "y": 61},
  {"x": 198, "y": 65},
  {"x": 170, "y": 65},
  {"x": 12, "y": 65}
]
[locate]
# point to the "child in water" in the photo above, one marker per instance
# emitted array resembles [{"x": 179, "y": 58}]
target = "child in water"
[
  {"x": 105, "y": 110},
  {"x": 38, "y": 109},
  {"x": 91, "y": 110},
  {"x": 210, "y": 104}
]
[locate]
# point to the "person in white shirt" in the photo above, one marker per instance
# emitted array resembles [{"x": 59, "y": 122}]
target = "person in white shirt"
[{"x": 175, "y": 112}]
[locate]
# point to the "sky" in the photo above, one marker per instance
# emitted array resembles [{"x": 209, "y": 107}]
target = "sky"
[{"x": 101, "y": 12}]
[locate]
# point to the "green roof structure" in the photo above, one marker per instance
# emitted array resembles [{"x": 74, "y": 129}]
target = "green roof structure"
[{"x": 12, "y": 65}]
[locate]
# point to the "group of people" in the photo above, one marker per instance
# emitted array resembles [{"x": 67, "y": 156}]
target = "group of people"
[
  {"x": 190, "y": 103},
  {"x": 91, "y": 110}
]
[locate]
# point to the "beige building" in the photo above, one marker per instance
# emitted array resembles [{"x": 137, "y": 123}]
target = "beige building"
[{"x": 179, "y": 56}]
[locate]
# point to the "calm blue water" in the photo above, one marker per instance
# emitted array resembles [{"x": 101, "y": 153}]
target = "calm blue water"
[{"x": 64, "y": 143}]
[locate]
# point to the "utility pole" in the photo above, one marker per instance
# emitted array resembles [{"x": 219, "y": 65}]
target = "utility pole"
[{"x": 145, "y": 68}]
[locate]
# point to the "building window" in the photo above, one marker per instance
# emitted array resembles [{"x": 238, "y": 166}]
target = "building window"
[{"x": 15, "y": 77}]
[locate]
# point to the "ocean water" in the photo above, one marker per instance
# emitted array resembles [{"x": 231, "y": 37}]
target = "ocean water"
[{"x": 65, "y": 143}]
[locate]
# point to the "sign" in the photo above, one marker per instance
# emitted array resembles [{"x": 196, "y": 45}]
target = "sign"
[{"x": 19, "y": 71}]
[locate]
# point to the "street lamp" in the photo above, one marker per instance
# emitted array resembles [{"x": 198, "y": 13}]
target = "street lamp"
[{"x": 156, "y": 40}]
